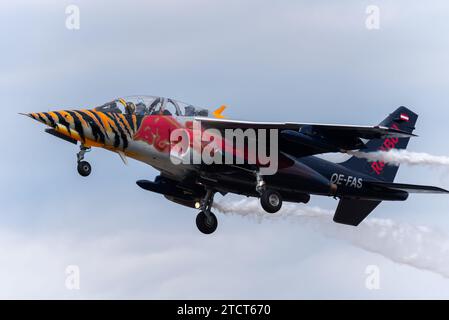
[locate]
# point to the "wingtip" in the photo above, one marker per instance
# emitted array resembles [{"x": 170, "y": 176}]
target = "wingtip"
[{"x": 441, "y": 190}]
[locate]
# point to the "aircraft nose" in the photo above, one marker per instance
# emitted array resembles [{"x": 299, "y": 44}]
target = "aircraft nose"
[
  {"x": 43, "y": 117},
  {"x": 65, "y": 122}
]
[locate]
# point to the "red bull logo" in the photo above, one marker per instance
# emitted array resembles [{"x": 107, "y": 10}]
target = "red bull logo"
[{"x": 388, "y": 144}]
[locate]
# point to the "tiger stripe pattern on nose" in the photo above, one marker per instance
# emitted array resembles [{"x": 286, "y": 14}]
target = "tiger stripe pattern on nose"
[{"x": 105, "y": 128}]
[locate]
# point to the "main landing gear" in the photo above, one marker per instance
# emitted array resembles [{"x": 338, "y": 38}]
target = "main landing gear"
[
  {"x": 206, "y": 221},
  {"x": 84, "y": 167},
  {"x": 270, "y": 200}
]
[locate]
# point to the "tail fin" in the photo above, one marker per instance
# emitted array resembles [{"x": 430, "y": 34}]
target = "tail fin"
[
  {"x": 402, "y": 119},
  {"x": 354, "y": 211}
]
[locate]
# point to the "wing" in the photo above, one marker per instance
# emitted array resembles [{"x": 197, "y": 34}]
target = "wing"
[
  {"x": 363, "y": 132},
  {"x": 304, "y": 139},
  {"x": 410, "y": 188}
]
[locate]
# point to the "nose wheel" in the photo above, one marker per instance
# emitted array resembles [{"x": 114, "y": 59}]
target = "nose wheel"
[
  {"x": 206, "y": 221},
  {"x": 84, "y": 167}
]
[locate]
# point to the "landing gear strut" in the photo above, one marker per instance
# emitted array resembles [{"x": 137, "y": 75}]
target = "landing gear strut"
[
  {"x": 206, "y": 221},
  {"x": 270, "y": 200},
  {"x": 84, "y": 167}
]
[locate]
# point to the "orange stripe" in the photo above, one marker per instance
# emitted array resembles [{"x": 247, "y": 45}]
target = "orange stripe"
[
  {"x": 54, "y": 116},
  {"x": 90, "y": 114},
  {"x": 44, "y": 117},
  {"x": 119, "y": 122},
  {"x": 72, "y": 133},
  {"x": 80, "y": 118},
  {"x": 68, "y": 117},
  {"x": 135, "y": 122},
  {"x": 105, "y": 120},
  {"x": 125, "y": 121}
]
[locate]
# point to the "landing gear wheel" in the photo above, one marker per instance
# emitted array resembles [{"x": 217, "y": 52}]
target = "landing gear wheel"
[
  {"x": 84, "y": 168},
  {"x": 271, "y": 201},
  {"x": 207, "y": 224}
]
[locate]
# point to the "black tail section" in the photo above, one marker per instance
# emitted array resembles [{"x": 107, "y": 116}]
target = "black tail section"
[
  {"x": 351, "y": 211},
  {"x": 402, "y": 119}
]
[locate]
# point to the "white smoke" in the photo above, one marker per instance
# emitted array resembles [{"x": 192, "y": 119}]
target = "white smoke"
[
  {"x": 397, "y": 157},
  {"x": 417, "y": 246}
]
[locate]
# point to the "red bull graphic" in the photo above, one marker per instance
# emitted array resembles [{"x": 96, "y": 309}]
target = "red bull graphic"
[{"x": 388, "y": 144}]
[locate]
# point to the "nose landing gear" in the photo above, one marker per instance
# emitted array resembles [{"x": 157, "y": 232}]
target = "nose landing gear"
[
  {"x": 84, "y": 167},
  {"x": 206, "y": 221}
]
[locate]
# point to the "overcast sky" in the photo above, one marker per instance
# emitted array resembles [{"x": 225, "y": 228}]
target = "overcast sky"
[{"x": 305, "y": 61}]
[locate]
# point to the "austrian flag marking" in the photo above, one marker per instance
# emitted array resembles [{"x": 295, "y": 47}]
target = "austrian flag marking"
[{"x": 404, "y": 117}]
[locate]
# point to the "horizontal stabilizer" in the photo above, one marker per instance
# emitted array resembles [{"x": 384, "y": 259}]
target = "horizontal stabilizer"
[
  {"x": 353, "y": 211},
  {"x": 410, "y": 188}
]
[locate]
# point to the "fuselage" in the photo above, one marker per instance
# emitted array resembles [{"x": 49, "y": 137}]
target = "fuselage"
[{"x": 146, "y": 138}]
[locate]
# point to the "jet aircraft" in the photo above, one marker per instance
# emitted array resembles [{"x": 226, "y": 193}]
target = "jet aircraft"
[{"x": 141, "y": 127}]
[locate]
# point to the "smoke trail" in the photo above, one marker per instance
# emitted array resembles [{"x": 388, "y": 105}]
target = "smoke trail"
[
  {"x": 397, "y": 157},
  {"x": 417, "y": 246}
]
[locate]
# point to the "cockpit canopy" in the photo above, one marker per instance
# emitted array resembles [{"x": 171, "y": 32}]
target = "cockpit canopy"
[{"x": 151, "y": 105}]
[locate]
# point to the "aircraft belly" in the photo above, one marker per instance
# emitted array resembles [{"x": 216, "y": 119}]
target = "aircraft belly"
[
  {"x": 300, "y": 177},
  {"x": 293, "y": 181},
  {"x": 146, "y": 153}
]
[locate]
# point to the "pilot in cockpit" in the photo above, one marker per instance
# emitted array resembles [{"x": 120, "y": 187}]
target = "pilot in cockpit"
[
  {"x": 130, "y": 108},
  {"x": 141, "y": 108}
]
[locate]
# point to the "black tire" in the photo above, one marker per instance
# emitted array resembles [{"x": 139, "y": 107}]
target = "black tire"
[
  {"x": 84, "y": 168},
  {"x": 205, "y": 224},
  {"x": 271, "y": 201}
]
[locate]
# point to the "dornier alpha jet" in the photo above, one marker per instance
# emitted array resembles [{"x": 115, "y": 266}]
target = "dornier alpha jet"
[{"x": 140, "y": 127}]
